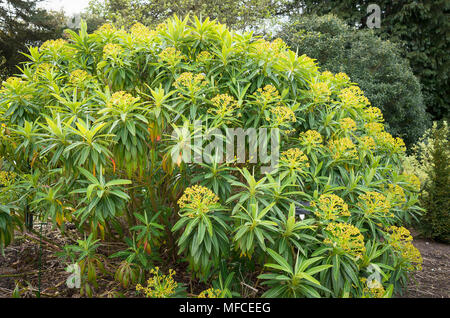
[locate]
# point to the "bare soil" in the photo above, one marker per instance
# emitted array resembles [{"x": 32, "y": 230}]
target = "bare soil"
[
  {"x": 22, "y": 260},
  {"x": 433, "y": 281}
]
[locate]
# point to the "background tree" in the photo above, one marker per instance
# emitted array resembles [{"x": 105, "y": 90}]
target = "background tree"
[
  {"x": 236, "y": 14},
  {"x": 376, "y": 65},
  {"x": 421, "y": 27},
  {"x": 23, "y": 24}
]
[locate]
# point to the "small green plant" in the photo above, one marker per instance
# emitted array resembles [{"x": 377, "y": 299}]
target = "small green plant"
[
  {"x": 204, "y": 237},
  {"x": 294, "y": 280},
  {"x": 161, "y": 286},
  {"x": 90, "y": 262}
]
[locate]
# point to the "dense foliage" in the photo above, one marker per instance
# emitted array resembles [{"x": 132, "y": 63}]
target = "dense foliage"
[
  {"x": 430, "y": 161},
  {"x": 421, "y": 27},
  {"x": 86, "y": 139},
  {"x": 376, "y": 65}
]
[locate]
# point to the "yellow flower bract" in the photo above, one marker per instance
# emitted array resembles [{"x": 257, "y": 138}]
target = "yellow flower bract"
[
  {"x": 342, "y": 148},
  {"x": 401, "y": 241},
  {"x": 373, "y": 114},
  {"x": 122, "y": 99},
  {"x": 330, "y": 207},
  {"x": 210, "y": 293},
  {"x": 374, "y": 203},
  {"x": 311, "y": 138},
  {"x": 224, "y": 105},
  {"x": 372, "y": 289},
  {"x": 282, "y": 114},
  {"x": 141, "y": 32},
  {"x": 190, "y": 82},
  {"x": 171, "y": 56},
  {"x": 353, "y": 98},
  {"x": 159, "y": 286},
  {"x": 347, "y": 124},
  {"x": 78, "y": 77},
  {"x": 346, "y": 237},
  {"x": 198, "y": 199},
  {"x": 367, "y": 142},
  {"x": 112, "y": 50},
  {"x": 294, "y": 158},
  {"x": 55, "y": 45},
  {"x": 320, "y": 92},
  {"x": 6, "y": 178}
]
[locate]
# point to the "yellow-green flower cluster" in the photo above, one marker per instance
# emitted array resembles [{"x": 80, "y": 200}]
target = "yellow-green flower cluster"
[
  {"x": 373, "y": 114},
  {"x": 224, "y": 105},
  {"x": 79, "y": 77},
  {"x": 44, "y": 68},
  {"x": 347, "y": 237},
  {"x": 330, "y": 207},
  {"x": 327, "y": 76},
  {"x": 13, "y": 82},
  {"x": 396, "y": 194},
  {"x": 372, "y": 289},
  {"x": 112, "y": 50},
  {"x": 353, "y": 98},
  {"x": 204, "y": 56},
  {"x": 267, "y": 94},
  {"x": 141, "y": 32},
  {"x": 310, "y": 138},
  {"x": 190, "y": 82},
  {"x": 265, "y": 49},
  {"x": 106, "y": 29},
  {"x": 7, "y": 177},
  {"x": 281, "y": 115},
  {"x": 121, "y": 100},
  {"x": 374, "y": 203},
  {"x": 394, "y": 144},
  {"x": 367, "y": 142},
  {"x": 336, "y": 82},
  {"x": 294, "y": 158},
  {"x": 171, "y": 56},
  {"x": 210, "y": 293},
  {"x": 374, "y": 128},
  {"x": 54, "y": 45},
  {"x": 412, "y": 180},
  {"x": 342, "y": 77},
  {"x": 199, "y": 199},
  {"x": 159, "y": 286},
  {"x": 347, "y": 124},
  {"x": 320, "y": 92},
  {"x": 342, "y": 148},
  {"x": 401, "y": 241}
]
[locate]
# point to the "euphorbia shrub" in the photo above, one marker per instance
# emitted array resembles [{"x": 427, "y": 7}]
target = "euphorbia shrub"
[{"x": 86, "y": 130}]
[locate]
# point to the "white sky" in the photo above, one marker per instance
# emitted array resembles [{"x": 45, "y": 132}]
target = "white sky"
[{"x": 69, "y": 6}]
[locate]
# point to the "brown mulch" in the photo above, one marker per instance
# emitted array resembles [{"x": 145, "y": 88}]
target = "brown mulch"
[
  {"x": 433, "y": 281},
  {"x": 20, "y": 267}
]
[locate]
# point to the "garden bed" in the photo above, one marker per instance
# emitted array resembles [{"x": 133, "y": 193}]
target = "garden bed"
[
  {"x": 434, "y": 279},
  {"x": 20, "y": 264}
]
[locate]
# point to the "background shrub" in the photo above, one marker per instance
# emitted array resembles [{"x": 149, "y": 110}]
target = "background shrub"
[
  {"x": 376, "y": 65},
  {"x": 430, "y": 160},
  {"x": 421, "y": 28}
]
